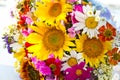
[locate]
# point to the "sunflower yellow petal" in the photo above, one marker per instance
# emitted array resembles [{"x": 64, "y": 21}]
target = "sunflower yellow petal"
[
  {"x": 60, "y": 54},
  {"x": 34, "y": 48},
  {"x": 70, "y": 43},
  {"x": 34, "y": 38},
  {"x": 20, "y": 54},
  {"x": 66, "y": 48}
]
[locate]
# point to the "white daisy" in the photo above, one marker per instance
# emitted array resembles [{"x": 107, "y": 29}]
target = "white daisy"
[
  {"x": 71, "y": 60},
  {"x": 89, "y": 21}
]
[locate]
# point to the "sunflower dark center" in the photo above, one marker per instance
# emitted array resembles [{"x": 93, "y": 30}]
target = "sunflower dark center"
[
  {"x": 55, "y": 10},
  {"x": 53, "y": 39},
  {"x": 92, "y": 47}
]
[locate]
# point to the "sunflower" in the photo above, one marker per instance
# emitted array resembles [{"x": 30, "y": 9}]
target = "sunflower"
[
  {"x": 28, "y": 72},
  {"x": 48, "y": 39},
  {"x": 93, "y": 50},
  {"x": 52, "y": 11}
]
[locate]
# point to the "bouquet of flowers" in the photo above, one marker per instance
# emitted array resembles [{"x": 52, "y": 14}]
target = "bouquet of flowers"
[{"x": 63, "y": 40}]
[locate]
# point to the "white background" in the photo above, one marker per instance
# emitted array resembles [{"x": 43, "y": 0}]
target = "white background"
[{"x": 7, "y": 71}]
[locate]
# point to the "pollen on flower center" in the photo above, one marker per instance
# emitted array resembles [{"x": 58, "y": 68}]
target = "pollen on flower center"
[
  {"x": 53, "y": 39},
  {"x": 108, "y": 33},
  {"x": 72, "y": 61},
  {"x": 78, "y": 72},
  {"x": 55, "y": 10},
  {"x": 91, "y": 23},
  {"x": 92, "y": 47},
  {"x": 116, "y": 56},
  {"x": 53, "y": 67}
]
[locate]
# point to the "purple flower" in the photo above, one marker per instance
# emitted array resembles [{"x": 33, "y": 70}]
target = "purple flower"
[
  {"x": 8, "y": 41},
  {"x": 10, "y": 49},
  {"x": 78, "y": 72}
]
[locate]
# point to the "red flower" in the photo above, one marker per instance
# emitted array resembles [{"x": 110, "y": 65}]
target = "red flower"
[
  {"x": 114, "y": 56},
  {"x": 27, "y": 45},
  {"x": 54, "y": 64},
  {"x": 107, "y": 32}
]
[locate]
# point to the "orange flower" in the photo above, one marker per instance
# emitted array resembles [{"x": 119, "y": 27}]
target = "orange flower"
[
  {"x": 107, "y": 33},
  {"x": 114, "y": 56}
]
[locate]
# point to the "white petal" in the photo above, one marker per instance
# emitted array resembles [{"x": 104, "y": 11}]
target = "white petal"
[
  {"x": 97, "y": 13},
  {"x": 65, "y": 58},
  {"x": 84, "y": 30},
  {"x": 65, "y": 66},
  {"x": 78, "y": 26},
  {"x": 73, "y": 53},
  {"x": 79, "y": 16},
  {"x": 79, "y": 55}
]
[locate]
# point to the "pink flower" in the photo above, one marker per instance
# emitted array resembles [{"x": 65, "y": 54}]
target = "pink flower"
[
  {"x": 72, "y": 32},
  {"x": 28, "y": 20},
  {"x": 77, "y": 7},
  {"x": 26, "y": 32},
  {"x": 78, "y": 72},
  {"x": 71, "y": 1},
  {"x": 41, "y": 66}
]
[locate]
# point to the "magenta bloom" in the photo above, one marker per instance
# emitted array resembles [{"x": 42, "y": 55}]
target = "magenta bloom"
[
  {"x": 78, "y": 72},
  {"x": 41, "y": 66},
  {"x": 77, "y": 7},
  {"x": 71, "y": 1},
  {"x": 72, "y": 32},
  {"x": 26, "y": 32}
]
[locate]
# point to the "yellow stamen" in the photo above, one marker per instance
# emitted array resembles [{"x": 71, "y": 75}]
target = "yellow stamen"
[
  {"x": 91, "y": 23},
  {"x": 53, "y": 67},
  {"x": 72, "y": 61},
  {"x": 78, "y": 72}
]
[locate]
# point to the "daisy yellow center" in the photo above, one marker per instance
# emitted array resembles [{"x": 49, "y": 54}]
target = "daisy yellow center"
[
  {"x": 53, "y": 39},
  {"x": 72, "y": 61},
  {"x": 78, "y": 72},
  {"x": 116, "y": 56},
  {"x": 55, "y": 10},
  {"x": 53, "y": 67},
  {"x": 92, "y": 48},
  {"x": 108, "y": 33},
  {"x": 91, "y": 23}
]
